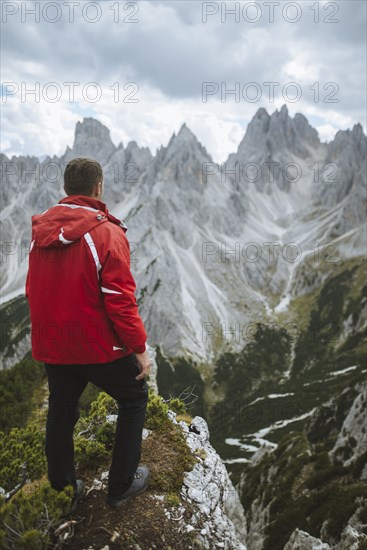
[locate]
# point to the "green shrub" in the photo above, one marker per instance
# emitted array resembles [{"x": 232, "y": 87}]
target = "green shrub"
[
  {"x": 102, "y": 406},
  {"x": 95, "y": 426},
  {"x": 30, "y": 518},
  {"x": 176, "y": 405},
  {"x": 156, "y": 415},
  {"x": 21, "y": 446},
  {"x": 16, "y": 389},
  {"x": 89, "y": 452}
]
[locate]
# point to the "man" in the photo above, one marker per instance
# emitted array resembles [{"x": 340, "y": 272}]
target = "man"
[{"x": 86, "y": 327}]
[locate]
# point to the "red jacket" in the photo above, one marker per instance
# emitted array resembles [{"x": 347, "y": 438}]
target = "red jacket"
[{"x": 79, "y": 285}]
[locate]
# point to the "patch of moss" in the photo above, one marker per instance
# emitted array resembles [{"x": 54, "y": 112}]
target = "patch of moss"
[
  {"x": 201, "y": 453},
  {"x": 169, "y": 458},
  {"x": 171, "y": 499},
  {"x": 184, "y": 417}
]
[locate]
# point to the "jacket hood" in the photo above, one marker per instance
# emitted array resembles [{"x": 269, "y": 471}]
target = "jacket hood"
[{"x": 69, "y": 219}]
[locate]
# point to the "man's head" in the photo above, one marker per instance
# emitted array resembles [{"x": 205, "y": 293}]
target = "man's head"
[{"x": 83, "y": 176}]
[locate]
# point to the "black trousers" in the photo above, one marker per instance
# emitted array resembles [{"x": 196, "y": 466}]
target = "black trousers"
[{"x": 66, "y": 384}]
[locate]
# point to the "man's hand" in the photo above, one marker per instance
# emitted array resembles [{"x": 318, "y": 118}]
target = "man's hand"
[{"x": 144, "y": 365}]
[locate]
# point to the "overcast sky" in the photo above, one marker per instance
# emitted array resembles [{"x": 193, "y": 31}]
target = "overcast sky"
[{"x": 162, "y": 52}]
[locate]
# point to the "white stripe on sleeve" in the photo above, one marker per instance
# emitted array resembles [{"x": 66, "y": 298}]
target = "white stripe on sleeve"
[
  {"x": 109, "y": 291},
  {"x": 94, "y": 252}
]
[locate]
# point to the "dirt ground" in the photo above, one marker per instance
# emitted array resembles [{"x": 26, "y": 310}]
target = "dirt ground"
[{"x": 141, "y": 521}]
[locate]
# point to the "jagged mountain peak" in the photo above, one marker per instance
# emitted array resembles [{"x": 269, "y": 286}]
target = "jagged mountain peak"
[
  {"x": 182, "y": 146},
  {"x": 358, "y": 130},
  {"x": 92, "y": 138},
  {"x": 261, "y": 113},
  {"x": 132, "y": 145},
  {"x": 291, "y": 132},
  {"x": 186, "y": 133},
  {"x": 184, "y": 136},
  {"x": 347, "y": 153},
  {"x": 283, "y": 113},
  {"x": 354, "y": 138},
  {"x": 267, "y": 134},
  {"x": 132, "y": 148},
  {"x": 279, "y": 114},
  {"x": 91, "y": 127},
  {"x": 256, "y": 130}
]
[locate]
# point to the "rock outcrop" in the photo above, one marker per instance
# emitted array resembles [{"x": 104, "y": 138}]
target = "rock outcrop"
[
  {"x": 303, "y": 541},
  {"x": 351, "y": 443},
  {"x": 219, "y": 521}
]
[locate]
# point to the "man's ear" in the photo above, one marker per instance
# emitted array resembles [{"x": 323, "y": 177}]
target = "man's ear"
[{"x": 96, "y": 190}]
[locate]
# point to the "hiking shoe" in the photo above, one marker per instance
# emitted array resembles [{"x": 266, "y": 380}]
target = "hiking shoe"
[
  {"x": 139, "y": 484},
  {"x": 79, "y": 494}
]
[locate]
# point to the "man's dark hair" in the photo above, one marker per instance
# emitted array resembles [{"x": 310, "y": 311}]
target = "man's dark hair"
[{"x": 81, "y": 176}]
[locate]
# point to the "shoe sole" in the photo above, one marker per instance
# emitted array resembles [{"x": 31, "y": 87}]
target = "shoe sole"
[{"x": 120, "y": 502}]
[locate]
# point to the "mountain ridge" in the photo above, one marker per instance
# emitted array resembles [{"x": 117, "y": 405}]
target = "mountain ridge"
[{"x": 197, "y": 223}]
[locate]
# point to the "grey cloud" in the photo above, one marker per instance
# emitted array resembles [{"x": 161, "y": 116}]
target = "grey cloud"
[{"x": 171, "y": 50}]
